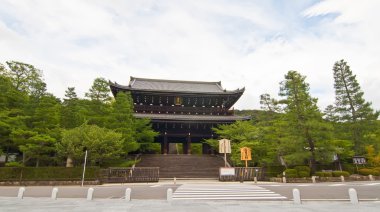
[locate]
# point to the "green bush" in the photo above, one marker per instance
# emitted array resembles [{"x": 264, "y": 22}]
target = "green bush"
[
  {"x": 340, "y": 173},
  {"x": 376, "y": 169},
  {"x": 302, "y": 168},
  {"x": 303, "y": 174},
  {"x": 47, "y": 173},
  {"x": 291, "y": 173},
  {"x": 302, "y": 171},
  {"x": 367, "y": 171},
  {"x": 323, "y": 174},
  {"x": 14, "y": 164}
]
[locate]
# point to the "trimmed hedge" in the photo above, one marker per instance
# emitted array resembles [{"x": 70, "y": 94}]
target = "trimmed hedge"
[
  {"x": 367, "y": 171},
  {"x": 303, "y": 171},
  {"x": 323, "y": 174},
  {"x": 291, "y": 173},
  {"x": 47, "y": 173},
  {"x": 340, "y": 173}
]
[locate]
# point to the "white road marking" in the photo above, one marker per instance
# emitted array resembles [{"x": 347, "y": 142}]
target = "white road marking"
[
  {"x": 372, "y": 184},
  {"x": 154, "y": 186},
  {"x": 224, "y": 192},
  {"x": 337, "y": 185}
]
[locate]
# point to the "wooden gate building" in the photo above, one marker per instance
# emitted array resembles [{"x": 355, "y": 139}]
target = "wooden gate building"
[{"x": 182, "y": 111}]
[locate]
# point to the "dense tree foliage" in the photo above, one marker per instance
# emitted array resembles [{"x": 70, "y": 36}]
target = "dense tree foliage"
[
  {"x": 293, "y": 130},
  {"x": 101, "y": 144},
  {"x": 33, "y": 121}
]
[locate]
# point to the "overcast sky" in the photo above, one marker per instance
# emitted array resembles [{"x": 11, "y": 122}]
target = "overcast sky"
[{"x": 250, "y": 44}]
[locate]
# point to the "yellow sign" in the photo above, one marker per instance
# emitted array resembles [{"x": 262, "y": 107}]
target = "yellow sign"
[{"x": 245, "y": 153}]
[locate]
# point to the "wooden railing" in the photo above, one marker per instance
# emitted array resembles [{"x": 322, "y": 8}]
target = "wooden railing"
[
  {"x": 130, "y": 175},
  {"x": 182, "y": 110}
]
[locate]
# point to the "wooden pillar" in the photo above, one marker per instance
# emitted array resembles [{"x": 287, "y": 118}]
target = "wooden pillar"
[
  {"x": 189, "y": 144},
  {"x": 166, "y": 144}
]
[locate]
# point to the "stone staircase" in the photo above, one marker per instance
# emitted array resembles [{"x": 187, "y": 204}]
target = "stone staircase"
[{"x": 184, "y": 166}]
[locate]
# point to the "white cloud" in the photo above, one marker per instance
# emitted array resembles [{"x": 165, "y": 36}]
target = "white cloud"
[{"x": 241, "y": 43}]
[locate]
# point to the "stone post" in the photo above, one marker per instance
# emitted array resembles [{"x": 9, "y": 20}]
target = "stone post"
[
  {"x": 54, "y": 193},
  {"x": 296, "y": 196},
  {"x": 90, "y": 193},
  {"x": 20, "y": 194},
  {"x": 128, "y": 194},
  {"x": 353, "y": 196},
  {"x": 169, "y": 194}
]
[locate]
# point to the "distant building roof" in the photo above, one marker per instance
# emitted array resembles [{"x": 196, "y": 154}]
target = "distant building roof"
[{"x": 175, "y": 86}]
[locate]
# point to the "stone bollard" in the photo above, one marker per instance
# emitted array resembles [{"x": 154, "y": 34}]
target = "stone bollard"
[
  {"x": 370, "y": 177},
  {"x": 296, "y": 196},
  {"x": 169, "y": 195},
  {"x": 284, "y": 179},
  {"x": 54, "y": 193},
  {"x": 21, "y": 191},
  {"x": 342, "y": 178},
  {"x": 353, "y": 196},
  {"x": 255, "y": 179},
  {"x": 175, "y": 180},
  {"x": 313, "y": 179},
  {"x": 90, "y": 193},
  {"x": 128, "y": 194}
]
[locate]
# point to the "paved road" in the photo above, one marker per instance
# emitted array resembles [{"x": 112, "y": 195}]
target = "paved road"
[
  {"x": 8, "y": 204},
  {"x": 328, "y": 191},
  {"x": 210, "y": 190}
]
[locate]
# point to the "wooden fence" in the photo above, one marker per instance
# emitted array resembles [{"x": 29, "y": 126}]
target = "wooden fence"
[
  {"x": 130, "y": 175},
  {"x": 243, "y": 174}
]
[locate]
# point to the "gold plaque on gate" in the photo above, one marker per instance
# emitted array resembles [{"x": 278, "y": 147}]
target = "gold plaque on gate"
[{"x": 245, "y": 153}]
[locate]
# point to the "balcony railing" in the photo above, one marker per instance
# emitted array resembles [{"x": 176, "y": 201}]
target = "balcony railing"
[{"x": 182, "y": 110}]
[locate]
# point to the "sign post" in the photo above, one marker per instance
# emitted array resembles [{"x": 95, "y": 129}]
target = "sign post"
[
  {"x": 246, "y": 156},
  {"x": 225, "y": 147},
  {"x": 359, "y": 160}
]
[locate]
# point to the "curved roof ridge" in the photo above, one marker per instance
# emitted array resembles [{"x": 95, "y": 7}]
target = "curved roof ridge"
[{"x": 176, "y": 81}]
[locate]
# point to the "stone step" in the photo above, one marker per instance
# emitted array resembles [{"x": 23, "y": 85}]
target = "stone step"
[{"x": 184, "y": 166}]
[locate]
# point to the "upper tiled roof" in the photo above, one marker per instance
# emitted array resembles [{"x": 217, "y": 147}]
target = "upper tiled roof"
[{"x": 175, "y": 85}]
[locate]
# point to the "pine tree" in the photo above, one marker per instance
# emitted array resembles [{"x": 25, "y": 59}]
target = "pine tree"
[
  {"x": 71, "y": 115},
  {"x": 304, "y": 121},
  {"x": 350, "y": 105},
  {"x": 122, "y": 120},
  {"x": 99, "y": 91}
]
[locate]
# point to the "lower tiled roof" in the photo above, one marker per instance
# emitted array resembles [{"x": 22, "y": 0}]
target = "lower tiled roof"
[{"x": 190, "y": 117}]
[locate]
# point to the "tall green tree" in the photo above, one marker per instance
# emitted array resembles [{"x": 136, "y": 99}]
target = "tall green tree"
[
  {"x": 72, "y": 111},
  {"x": 99, "y": 91},
  {"x": 98, "y": 107},
  {"x": 122, "y": 121},
  {"x": 26, "y": 78},
  {"x": 309, "y": 131},
  {"x": 12, "y": 116},
  {"x": 350, "y": 105},
  {"x": 102, "y": 144}
]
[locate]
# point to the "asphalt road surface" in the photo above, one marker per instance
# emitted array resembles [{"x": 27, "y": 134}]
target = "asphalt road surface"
[{"x": 367, "y": 191}]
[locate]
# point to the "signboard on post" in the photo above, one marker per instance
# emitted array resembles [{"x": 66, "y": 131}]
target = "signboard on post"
[
  {"x": 225, "y": 147},
  {"x": 245, "y": 153},
  {"x": 359, "y": 160}
]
